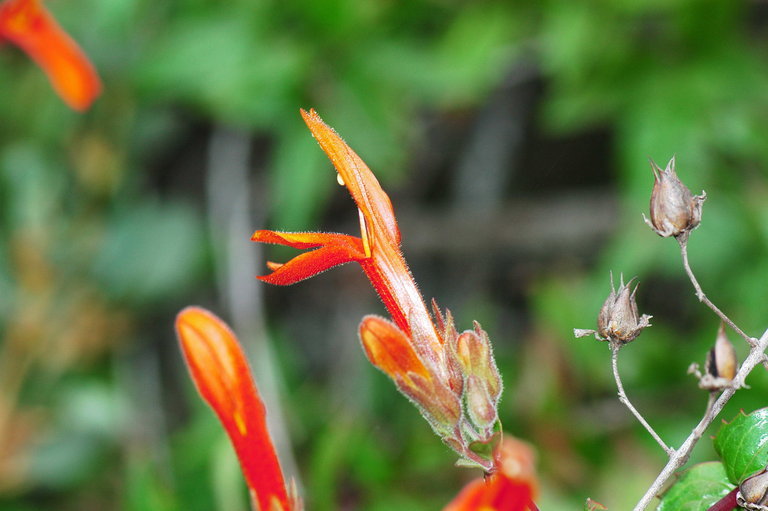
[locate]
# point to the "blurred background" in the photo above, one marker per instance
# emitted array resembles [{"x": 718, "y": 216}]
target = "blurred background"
[{"x": 513, "y": 138}]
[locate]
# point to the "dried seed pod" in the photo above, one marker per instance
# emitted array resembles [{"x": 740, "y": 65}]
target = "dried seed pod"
[
  {"x": 721, "y": 365},
  {"x": 721, "y": 360},
  {"x": 753, "y": 492},
  {"x": 619, "y": 320},
  {"x": 674, "y": 209}
]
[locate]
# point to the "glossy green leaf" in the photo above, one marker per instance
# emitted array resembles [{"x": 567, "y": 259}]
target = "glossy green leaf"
[
  {"x": 697, "y": 489},
  {"x": 743, "y": 444}
]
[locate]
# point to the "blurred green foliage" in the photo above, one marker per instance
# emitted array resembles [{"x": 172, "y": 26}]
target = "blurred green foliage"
[{"x": 103, "y": 236}]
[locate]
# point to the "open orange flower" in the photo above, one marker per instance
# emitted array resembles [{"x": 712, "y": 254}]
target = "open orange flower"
[
  {"x": 511, "y": 488},
  {"x": 28, "y": 25},
  {"x": 222, "y": 376},
  {"x": 451, "y": 377}
]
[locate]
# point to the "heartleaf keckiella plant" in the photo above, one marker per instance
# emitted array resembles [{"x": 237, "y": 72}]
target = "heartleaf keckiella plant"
[
  {"x": 221, "y": 374},
  {"x": 218, "y": 367},
  {"x": 28, "y": 25},
  {"x": 452, "y": 378}
]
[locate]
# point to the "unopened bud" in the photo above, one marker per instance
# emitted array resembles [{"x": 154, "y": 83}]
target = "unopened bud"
[
  {"x": 481, "y": 406},
  {"x": 619, "y": 320},
  {"x": 674, "y": 209},
  {"x": 753, "y": 492},
  {"x": 473, "y": 352}
]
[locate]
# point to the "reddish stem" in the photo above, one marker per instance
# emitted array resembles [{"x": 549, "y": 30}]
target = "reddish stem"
[{"x": 727, "y": 503}]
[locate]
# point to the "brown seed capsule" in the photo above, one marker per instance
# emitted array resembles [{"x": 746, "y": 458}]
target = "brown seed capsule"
[
  {"x": 674, "y": 209},
  {"x": 618, "y": 319},
  {"x": 721, "y": 365},
  {"x": 753, "y": 492},
  {"x": 721, "y": 360}
]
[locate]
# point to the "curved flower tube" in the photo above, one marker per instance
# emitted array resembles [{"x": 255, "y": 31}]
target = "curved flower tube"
[
  {"x": 221, "y": 374},
  {"x": 451, "y": 377},
  {"x": 28, "y": 25}
]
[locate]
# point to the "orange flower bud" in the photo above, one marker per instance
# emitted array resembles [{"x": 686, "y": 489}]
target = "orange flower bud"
[
  {"x": 28, "y": 25},
  {"x": 221, "y": 374}
]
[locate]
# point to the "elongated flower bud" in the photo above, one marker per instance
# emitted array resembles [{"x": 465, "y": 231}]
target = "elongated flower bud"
[
  {"x": 674, "y": 209},
  {"x": 221, "y": 374}
]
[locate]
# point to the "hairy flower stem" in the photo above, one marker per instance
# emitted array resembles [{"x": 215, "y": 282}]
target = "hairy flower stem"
[
  {"x": 683, "y": 241},
  {"x": 681, "y": 455},
  {"x": 615, "y": 347}
]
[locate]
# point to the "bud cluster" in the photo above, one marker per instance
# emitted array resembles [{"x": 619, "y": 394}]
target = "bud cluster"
[
  {"x": 457, "y": 389},
  {"x": 476, "y": 382},
  {"x": 618, "y": 321},
  {"x": 675, "y": 211}
]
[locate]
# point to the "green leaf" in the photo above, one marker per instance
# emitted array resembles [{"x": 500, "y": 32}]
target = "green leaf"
[
  {"x": 743, "y": 444},
  {"x": 697, "y": 489}
]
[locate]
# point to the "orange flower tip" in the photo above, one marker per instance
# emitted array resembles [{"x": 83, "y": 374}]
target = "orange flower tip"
[
  {"x": 28, "y": 25},
  {"x": 390, "y": 350},
  {"x": 274, "y": 266}
]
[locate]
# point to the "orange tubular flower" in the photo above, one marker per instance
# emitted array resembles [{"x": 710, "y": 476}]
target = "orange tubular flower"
[
  {"x": 427, "y": 359},
  {"x": 511, "y": 488},
  {"x": 222, "y": 376},
  {"x": 28, "y": 25}
]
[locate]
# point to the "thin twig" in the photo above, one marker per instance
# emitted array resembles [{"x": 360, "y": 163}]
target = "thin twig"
[
  {"x": 615, "y": 347},
  {"x": 683, "y": 241},
  {"x": 755, "y": 357}
]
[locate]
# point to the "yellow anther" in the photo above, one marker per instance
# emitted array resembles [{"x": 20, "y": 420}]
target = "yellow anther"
[
  {"x": 339, "y": 179},
  {"x": 364, "y": 234},
  {"x": 240, "y": 423}
]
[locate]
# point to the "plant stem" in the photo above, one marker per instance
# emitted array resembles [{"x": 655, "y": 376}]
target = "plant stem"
[
  {"x": 681, "y": 455},
  {"x": 683, "y": 241},
  {"x": 727, "y": 503},
  {"x": 615, "y": 347}
]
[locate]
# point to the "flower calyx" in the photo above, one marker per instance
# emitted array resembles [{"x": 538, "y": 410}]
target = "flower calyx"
[
  {"x": 675, "y": 211},
  {"x": 450, "y": 377},
  {"x": 458, "y": 394},
  {"x": 618, "y": 322}
]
